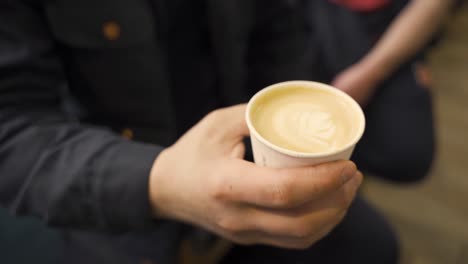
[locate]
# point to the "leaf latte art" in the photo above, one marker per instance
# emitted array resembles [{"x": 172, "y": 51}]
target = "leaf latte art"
[
  {"x": 306, "y": 125},
  {"x": 303, "y": 120}
]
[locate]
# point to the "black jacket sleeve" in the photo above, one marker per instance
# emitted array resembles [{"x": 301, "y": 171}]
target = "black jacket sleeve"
[{"x": 67, "y": 173}]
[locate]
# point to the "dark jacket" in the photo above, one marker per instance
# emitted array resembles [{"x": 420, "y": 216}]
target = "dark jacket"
[{"x": 74, "y": 74}]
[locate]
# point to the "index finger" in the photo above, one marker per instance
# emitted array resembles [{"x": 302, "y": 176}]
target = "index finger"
[{"x": 286, "y": 188}]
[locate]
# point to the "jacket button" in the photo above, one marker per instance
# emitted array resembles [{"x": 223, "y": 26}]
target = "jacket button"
[
  {"x": 127, "y": 133},
  {"x": 111, "y": 30}
]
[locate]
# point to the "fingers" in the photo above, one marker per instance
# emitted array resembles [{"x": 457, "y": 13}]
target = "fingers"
[
  {"x": 293, "y": 228},
  {"x": 282, "y": 188},
  {"x": 308, "y": 219}
]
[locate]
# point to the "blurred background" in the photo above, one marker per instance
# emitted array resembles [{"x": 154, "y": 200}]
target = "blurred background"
[{"x": 432, "y": 217}]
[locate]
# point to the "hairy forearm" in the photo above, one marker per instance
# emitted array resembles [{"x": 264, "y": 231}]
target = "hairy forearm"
[{"x": 409, "y": 32}]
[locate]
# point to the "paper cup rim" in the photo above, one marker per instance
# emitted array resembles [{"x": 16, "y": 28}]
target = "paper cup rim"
[{"x": 315, "y": 85}]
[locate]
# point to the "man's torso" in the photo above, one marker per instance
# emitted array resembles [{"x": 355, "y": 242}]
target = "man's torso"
[{"x": 151, "y": 66}]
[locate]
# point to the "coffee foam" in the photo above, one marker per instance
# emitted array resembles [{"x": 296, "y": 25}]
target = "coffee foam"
[{"x": 303, "y": 119}]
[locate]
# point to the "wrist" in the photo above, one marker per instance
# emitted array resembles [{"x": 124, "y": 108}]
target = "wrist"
[
  {"x": 156, "y": 185},
  {"x": 375, "y": 71}
]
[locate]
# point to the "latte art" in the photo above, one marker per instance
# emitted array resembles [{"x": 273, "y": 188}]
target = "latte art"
[
  {"x": 303, "y": 120},
  {"x": 306, "y": 124}
]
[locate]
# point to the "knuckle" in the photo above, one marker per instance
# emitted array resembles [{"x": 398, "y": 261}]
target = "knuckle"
[
  {"x": 218, "y": 194},
  {"x": 217, "y": 189},
  {"x": 281, "y": 193}
]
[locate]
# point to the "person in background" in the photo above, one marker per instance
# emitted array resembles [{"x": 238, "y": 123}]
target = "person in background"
[{"x": 374, "y": 50}]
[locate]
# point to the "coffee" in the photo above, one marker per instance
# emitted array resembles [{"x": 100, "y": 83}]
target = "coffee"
[{"x": 304, "y": 120}]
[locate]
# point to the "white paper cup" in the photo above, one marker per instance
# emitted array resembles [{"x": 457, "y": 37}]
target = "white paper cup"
[{"x": 270, "y": 155}]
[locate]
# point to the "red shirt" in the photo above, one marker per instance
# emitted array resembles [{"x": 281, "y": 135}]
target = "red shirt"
[{"x": 362, "y": 5}]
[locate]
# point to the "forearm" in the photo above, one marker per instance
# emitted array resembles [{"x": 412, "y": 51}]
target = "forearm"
[
  {"x": 409, "y": 32},
  {"x": 73, "y": 175}
]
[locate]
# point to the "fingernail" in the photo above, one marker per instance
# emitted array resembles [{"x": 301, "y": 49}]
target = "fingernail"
[{"x": 348, "y": 172}]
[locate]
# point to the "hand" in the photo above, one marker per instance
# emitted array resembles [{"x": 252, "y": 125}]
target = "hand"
[
  {"x": 203, "y": 180},
  {"x": 359, "y": 82}
]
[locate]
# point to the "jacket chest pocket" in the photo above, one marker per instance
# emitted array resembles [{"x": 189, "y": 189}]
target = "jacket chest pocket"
[
  {"x": 112, "y": 57},
  {"x": 101, "y": 23}
]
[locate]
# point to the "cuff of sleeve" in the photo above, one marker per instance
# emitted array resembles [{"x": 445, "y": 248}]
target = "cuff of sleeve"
[{"x": 124, "y": 197}]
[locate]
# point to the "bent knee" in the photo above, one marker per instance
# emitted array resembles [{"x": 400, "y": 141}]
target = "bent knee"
[{"x": 409, "y": 165}]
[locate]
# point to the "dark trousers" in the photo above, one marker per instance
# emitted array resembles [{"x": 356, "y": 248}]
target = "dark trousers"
[
  {"x": 363, "y": 237},
  {"x": 398, "y": 143}
]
